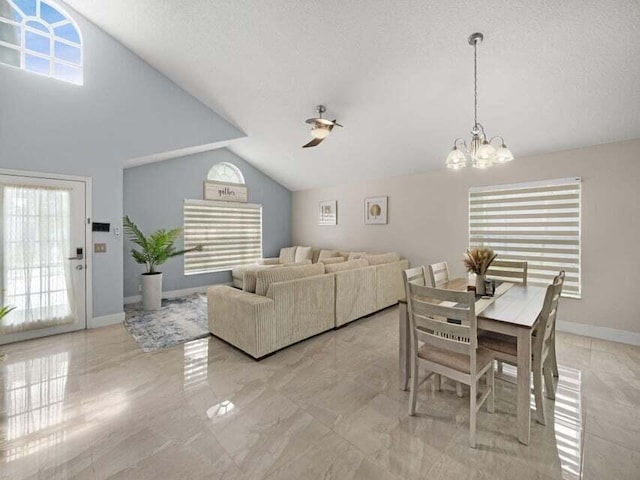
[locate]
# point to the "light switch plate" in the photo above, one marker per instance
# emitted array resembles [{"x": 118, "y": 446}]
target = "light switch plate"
[{"x": 100, "y": 247}]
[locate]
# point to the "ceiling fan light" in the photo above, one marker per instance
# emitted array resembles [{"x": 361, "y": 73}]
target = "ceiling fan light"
[
  {"x": 503, "y": 154},
  {"x": 319, "y": 131},
  {"x": 456, "y": 159}
]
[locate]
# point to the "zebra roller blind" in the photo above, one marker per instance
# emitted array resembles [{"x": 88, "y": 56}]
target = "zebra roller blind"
[
  {"x": 538, "y": 222},
  {"x": 230, "y": 233}
]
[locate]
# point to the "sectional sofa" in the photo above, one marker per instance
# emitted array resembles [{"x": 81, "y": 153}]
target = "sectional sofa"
[{"x": 283, "y": 300}]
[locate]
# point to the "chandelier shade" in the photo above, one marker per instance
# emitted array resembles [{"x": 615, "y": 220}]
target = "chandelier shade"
[{"x": 480, "y": 152}]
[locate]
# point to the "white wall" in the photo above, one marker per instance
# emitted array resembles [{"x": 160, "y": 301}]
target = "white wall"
[
  {"x": 125, "y": 109},
  {"x": 428, "y": 222}
]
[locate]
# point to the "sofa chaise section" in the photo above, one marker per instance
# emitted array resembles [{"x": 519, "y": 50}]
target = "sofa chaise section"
[{"x": 290, "y": 304}]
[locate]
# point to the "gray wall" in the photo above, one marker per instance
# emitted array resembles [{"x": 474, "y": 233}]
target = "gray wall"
[
  {"x": 428, "y": 222},
  {"x": 125, "y": 109},
  {"x": 154, "y": 195}
]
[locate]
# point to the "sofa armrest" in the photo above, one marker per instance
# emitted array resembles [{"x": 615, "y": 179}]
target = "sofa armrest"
[
  {"x": 239, "y": 317},
  {"x": 355, "y": 294},
  {"x": 389, "y": 283},
  {"x": 269, "y": 261},
  {"x": 303, "y": 307}
]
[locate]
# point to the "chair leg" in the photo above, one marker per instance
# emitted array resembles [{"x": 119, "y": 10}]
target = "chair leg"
[
  {"x": 472, "y": 413},
  {"x": 552, "y": 356},
  {"x": 459, "y": 389},
  {"x": 537, "y": 391},
  {"x": 413, "y": 394},
  {"x": 548, "y": 380},
  {"x": 437, "y": 382},
  {"x": 491, "y": 401}
]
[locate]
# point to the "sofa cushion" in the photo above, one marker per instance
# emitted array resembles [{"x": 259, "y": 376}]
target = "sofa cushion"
[
  {"x": 327, "y": 254},
  {"x": 328, "y": 261},
  {"x": 287, "y": 255},
  {"x": 297, "y": 264},
  {"x": 303, "y": 253},
  {"x": 356, "y": 255},
  {"x": 381, "y": 259},
  {"x": 273, "y": 275},
  {"x": 249, "y": 276},
  {"x": 350, "y": 265}
]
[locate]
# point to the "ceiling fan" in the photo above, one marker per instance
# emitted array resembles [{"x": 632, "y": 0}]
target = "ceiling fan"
[{"x": 321, "y": 127}]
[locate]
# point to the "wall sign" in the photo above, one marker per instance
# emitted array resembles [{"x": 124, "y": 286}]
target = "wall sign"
[{"x": 227, "y": 192}]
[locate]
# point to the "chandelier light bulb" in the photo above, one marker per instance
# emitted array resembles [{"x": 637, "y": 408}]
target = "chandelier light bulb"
[
  {"x": 503, "y": 154},
  {"x": 456, "y": 159}
]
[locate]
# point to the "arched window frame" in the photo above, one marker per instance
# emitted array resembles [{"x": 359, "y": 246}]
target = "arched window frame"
[
  {"x": 218, "y": 173},
  {"x": 60, "y": 65}
]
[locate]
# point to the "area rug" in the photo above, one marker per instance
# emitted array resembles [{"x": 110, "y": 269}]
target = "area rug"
[{"x": 179, "y": 320}]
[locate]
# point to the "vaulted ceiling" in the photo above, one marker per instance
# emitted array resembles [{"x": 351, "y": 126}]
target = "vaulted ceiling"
[{"x": 554, "y": 75}]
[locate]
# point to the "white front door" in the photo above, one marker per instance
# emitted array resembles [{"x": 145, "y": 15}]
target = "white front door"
[{"x": 43, "y": 251}]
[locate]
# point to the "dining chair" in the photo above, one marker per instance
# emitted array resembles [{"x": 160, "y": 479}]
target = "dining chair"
[
  {"x": 504, "y": 347},
  {"x": 449, "y": 350},
  {"x": 418, "y": 275},
  {"x": 512, "y": 271},
  {"x": 439, "y": 274}
]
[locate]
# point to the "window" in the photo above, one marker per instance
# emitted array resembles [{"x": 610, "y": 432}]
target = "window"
[
  {"x": 40, "y": 37},
  {"x": 231, "y": 234},
  {"x": 226, "y": 172},
  {"x": 538, "y": 222}
]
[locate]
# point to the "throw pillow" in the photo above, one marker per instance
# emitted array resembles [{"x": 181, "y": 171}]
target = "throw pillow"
[
  {"x": 331, "y": 260},
  {"x": 327, "y": 254},
  {"x": 303, "y": 253},
  {"x": 356, "y": 255},
  {"x": 287, "y": 255}
]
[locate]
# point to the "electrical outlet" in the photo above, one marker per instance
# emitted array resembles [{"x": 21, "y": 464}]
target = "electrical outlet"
[{"x": 100, "y": 247}]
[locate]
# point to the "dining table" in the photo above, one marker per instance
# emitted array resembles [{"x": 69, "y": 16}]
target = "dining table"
[{"x": 512, "y": 310}]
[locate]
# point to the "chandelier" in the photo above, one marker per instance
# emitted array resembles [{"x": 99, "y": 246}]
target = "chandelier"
[{"x": 480, "y": 151}]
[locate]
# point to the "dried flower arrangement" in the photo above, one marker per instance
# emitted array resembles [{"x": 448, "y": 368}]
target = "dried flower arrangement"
[{"x": 477, "y": 260}]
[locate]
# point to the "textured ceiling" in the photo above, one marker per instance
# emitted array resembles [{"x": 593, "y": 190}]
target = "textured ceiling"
[{"x": 553, "y": 75}]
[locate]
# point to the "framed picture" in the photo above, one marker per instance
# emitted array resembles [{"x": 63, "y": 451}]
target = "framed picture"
[
  {"x": 227, "y": 192},
  {"x": 327, "y": 212},
  {"x": 375, "y": 211}
]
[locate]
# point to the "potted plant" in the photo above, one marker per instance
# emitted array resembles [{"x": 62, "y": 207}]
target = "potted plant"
[
  {"x": 477, "y": 260},
  {"x": 155, "y": 250},
  {"x": 4, "y": 311}
]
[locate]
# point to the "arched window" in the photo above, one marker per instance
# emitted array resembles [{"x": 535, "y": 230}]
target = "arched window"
[
  {"x": 40, "y": 37},
  {"x": 226, "y": 172}
]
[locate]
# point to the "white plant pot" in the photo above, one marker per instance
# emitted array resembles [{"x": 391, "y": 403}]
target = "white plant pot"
[{"x": 152, "y": 291}]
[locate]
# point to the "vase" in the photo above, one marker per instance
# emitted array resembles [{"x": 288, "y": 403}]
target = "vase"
[
  {"x": 151, "y": 291},
  {"x": 480, "y": 284}
]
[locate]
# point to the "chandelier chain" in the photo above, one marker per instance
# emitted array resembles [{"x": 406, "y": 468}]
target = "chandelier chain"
[{"x": 475, "y": 83}]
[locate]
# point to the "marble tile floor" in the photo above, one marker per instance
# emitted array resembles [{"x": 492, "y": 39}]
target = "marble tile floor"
[{"x": 91, "y": 405}]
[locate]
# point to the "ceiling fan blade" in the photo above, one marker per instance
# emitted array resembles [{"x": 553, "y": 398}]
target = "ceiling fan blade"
[
  {"x": 336, "y": 123},
  {"x": 313, "y": 143}
]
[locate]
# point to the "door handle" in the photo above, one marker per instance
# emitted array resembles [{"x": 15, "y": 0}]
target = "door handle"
[{"x": 79, "y": 267}]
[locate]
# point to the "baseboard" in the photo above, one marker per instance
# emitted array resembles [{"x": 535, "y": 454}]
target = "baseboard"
[
  {"x": 106, "y": 320},
  {"x": 174, "y": 293},
  {"x": 603, "y": 333}
]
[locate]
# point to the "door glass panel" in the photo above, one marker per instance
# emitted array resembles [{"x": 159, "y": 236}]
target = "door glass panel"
[{"x": 37, "y": 276}]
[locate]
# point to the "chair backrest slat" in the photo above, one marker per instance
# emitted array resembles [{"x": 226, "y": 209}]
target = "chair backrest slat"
[
  {"x": 439, "y": 273},
  {"x": 509, "y": 270},
  {"x": 417, "y": 275},
  {"x": 457, "y": 345}
]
